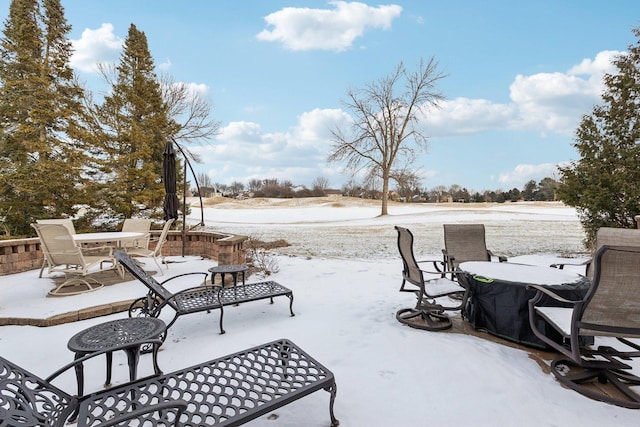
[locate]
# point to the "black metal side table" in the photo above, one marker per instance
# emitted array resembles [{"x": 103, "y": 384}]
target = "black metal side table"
[
  {"x": 122, "y": 334},
  {"x": 232, "y": 269}
]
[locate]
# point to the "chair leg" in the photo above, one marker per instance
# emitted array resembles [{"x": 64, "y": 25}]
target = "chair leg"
[
  {"x": 423, "y": 319},
  {"x": 591, "y": 381},
  {"x": 44, "y": 264},
  {"x": 90, "y": 283},
  {"x": 155, "y": 259}
]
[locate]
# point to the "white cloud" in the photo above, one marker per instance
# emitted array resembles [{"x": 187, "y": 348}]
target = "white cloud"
[
  {"x": 326, "y": 29},
  {"x": 543, "y": 102},
  {"x": 466, "y": 116},
  {"x": 95, "y": 46},
  {"x": 241, "y": 132},
  {"x": 165, "y": 66},
  {"x": 314, "y": 127},
  {"x": 524, "y": 173},
  {"x": 553, "y": 101},
  {"x": 200, "y": 89},
  {"x": 600, "y": 65},
  {"x": 244, "y": 151}
]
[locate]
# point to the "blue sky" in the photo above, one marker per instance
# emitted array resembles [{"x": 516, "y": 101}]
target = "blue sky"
[{"x": 519, "y": 76}]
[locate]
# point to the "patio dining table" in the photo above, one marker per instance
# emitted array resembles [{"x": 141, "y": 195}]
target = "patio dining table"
[
  {"x": 106, "y": 237},
  {"x": 498, "y": 297}
]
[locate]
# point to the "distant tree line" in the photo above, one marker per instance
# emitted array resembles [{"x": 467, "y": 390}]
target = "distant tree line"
[
  {"x": 271, "y": 187},
  {"x": 545, "y": 190}
]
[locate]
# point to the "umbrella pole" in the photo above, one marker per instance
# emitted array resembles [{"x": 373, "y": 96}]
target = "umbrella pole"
[
  {"x": 184, "y": 195},
  {"x": 184, "y": 208}
]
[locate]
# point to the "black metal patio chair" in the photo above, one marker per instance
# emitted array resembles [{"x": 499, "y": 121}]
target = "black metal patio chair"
[
  {"x": 466, "y": 242},
  {"x": 428, "y": 313},
  {"x": 610, "y": 309},
  {"x": 607, "y": 236}
]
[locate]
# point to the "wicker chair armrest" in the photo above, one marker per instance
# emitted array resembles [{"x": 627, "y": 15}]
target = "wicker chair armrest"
[{"x": 179, "y": 405}]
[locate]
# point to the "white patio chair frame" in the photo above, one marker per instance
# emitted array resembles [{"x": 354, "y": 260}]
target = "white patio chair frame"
[
  {"x": 156, "y": 252},
  {"x": 64, "y": 256}
]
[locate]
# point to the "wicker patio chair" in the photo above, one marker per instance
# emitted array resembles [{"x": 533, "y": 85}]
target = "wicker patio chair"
[
  {"x": 428, "y": 311},
  {"x": 156, "y": 252},
  {"x": 608, "y": 236},
  {"x": 610, "y": 308},
  {"x": 63, "y": 255},
  {"x": 465, "y": 242}
]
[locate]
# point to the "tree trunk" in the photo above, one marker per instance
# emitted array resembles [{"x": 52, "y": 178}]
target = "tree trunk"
[{"x": 385, "y": 196}]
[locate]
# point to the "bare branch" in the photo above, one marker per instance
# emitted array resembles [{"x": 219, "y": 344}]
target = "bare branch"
[
  {"x": 189, "y": 110},
  {"x": 384, "y": 130}
]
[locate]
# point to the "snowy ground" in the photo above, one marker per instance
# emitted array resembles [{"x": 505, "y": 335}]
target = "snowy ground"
[
  {"x": 344, "y": 271},
  {"x": 352, "y": 228}
]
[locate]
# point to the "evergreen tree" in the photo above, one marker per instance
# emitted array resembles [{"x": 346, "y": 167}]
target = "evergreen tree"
[
  {"x": 41, "y": 157},
  {"x": 136, "y": 126},
  {"x": 603, "y": 184}
]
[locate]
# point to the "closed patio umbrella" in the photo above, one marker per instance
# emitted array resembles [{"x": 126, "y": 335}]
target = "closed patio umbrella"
[{"x": 171, "y": 202}]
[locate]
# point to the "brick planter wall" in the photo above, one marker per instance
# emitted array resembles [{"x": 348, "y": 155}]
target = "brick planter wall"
[{"x": 20, "y": 255}]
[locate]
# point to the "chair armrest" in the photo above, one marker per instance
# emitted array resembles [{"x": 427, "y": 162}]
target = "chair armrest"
[
  {"x": 501, "y": 258},
  {"x": 447, "y": 257},
  {"x": 561, "y": 265},
  {"x": 98, "y": 353},
  {"x": 179, "y": 405},
  {"x": 438, "y": 264},
  {"x": 107, "y": 249},
  {"x": 186, "y": 274},
  {"x": 541, "y": 291}
]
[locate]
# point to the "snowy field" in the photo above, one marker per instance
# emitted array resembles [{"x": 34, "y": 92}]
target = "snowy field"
[{"x": 352, "y": 228}]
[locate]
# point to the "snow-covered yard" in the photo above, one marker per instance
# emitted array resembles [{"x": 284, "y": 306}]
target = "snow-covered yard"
[{"x": 344, "y": 270}]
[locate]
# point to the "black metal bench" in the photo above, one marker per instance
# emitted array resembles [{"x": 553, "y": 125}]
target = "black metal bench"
[
  {"x": 28, "y": 400},
  {"x": 228, "y": 391},
  {"x": 196, "y": 299}
]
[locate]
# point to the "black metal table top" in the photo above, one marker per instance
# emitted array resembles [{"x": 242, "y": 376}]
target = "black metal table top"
[
  {"x": 115, "y": 334},
  {"x": 229, "y": 268}
]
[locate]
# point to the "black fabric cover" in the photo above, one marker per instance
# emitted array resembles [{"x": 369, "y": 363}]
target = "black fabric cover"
[{"x": 501, "y": 307}]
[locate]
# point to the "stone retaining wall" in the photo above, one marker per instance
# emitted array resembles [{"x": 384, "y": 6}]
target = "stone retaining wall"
[{"x": 20, "y": 255}]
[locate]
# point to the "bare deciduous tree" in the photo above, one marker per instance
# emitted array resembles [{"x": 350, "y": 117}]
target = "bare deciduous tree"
[
  {"x": 236, "y": 187},
  {"x": 319, "y": 186},
  {"x": 407, "y": 183},
  {"x": 385, "y": 129}
]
